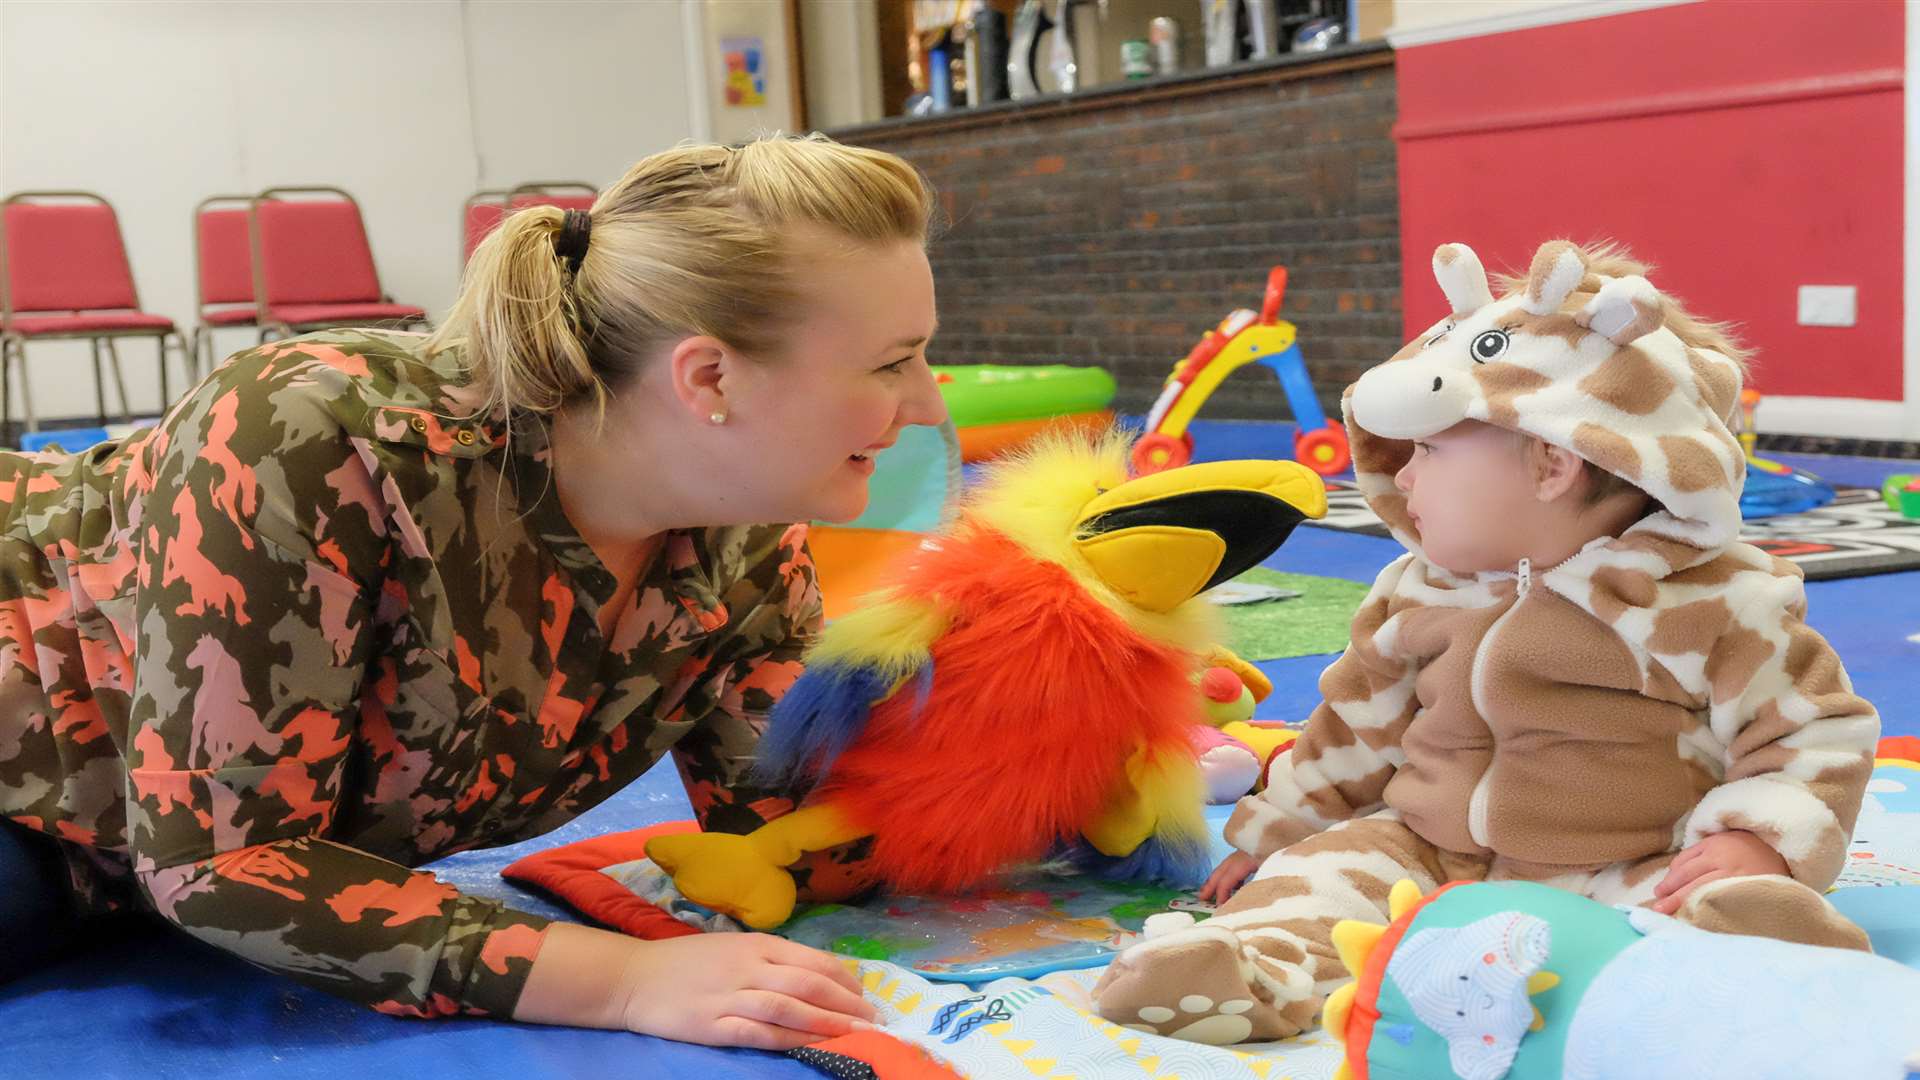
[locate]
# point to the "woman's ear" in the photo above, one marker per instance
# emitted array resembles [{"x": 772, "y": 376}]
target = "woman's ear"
[
  {"x": 1556, "y": 470},
  {"x": 700, "y": 368}
]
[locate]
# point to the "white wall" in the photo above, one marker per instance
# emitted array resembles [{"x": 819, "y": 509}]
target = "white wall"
[
  {"x": 841, "y": 40},
  {"x": 410, "y": 106},
  {"x": 1417, "y": 22}
]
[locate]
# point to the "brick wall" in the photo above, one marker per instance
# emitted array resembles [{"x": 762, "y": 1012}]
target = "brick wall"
[{"x": 1114, "y": 230}]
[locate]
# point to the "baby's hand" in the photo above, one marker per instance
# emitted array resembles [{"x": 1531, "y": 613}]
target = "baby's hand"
[
  {"x": 1226, "y": 877},
  {"x": 1723, "y": 855}
]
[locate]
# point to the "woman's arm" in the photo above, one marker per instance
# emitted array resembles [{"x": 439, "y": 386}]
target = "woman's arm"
[
  {"x": 760, "y": 662},
  {"x": 261, "y": 547}
]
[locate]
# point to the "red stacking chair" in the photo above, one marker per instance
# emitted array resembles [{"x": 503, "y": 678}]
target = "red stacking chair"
[
  {"x": 223, "y": 263},
  {"x": 484, "y": 210},
  {"x": 313, "y": 267},
  {"x": 64, "y": 275}
]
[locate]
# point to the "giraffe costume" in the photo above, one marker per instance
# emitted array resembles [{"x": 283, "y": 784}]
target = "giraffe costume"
[{"x": 1577, "y": 725}]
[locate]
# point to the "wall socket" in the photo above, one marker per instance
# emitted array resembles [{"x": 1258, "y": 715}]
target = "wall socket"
[{"x": 1827, "y": 305}]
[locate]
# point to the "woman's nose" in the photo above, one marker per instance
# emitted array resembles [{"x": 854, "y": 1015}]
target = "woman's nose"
[{"x": 924, "y": 404}]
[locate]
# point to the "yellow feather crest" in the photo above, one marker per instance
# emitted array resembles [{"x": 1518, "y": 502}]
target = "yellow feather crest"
[
  {"x": 1036, "y": 495},
  {"x": 890, "y": 634}
]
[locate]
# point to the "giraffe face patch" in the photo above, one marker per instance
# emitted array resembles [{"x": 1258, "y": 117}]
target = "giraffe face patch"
[{"x": 1435, "y": 388}]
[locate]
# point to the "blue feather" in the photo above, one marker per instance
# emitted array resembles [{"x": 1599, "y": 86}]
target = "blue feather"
[
  {"x": 924, "y": 690},
  {"x": 1179, "y": 862},
  {"x": 819, "y": 716}
]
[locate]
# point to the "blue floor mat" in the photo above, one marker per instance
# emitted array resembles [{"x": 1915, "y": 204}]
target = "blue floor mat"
[{"x": 170, "y": 1008}]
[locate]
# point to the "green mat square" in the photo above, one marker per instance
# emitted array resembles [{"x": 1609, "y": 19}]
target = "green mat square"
[{"x": 1312, "y": 623}]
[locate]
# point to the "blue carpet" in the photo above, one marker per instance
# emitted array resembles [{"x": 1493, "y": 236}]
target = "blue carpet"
[{"x": 170, "y": 1008}]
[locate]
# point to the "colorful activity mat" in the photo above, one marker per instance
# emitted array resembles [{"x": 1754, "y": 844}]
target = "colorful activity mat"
[
  {"x": 1855, "y": 535},
  {"x": 911, "y": 953},
  {"x": 1038, "y": 924},
  {"x": 1027, "y": 927}
]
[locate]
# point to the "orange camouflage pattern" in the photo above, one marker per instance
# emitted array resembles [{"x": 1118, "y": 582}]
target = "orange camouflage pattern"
[{"x": 323, "y": 624}]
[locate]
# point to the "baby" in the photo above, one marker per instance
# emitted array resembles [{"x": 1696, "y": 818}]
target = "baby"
[{"x": 1578, "y": 674}]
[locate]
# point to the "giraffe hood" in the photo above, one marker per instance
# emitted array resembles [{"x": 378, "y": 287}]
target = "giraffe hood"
[{"x": 1580, "y": 359}]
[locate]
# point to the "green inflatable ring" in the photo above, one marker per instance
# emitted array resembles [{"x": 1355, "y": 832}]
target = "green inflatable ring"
[{"x": 982, "y": 394}]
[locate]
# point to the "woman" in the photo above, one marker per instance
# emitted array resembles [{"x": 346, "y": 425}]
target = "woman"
[{"x": 365, "y": 599}]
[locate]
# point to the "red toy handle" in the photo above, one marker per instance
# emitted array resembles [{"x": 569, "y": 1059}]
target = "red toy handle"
[{"x": 1276, "y": 288}]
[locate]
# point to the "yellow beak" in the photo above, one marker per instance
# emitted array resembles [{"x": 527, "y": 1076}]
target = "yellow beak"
[{"x": 1162, "y": 539}]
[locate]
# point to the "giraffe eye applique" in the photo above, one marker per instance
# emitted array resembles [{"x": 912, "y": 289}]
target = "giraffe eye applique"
[
  {"x": 1435, "y": 339},
  {"x": 1490, "y": 345}
]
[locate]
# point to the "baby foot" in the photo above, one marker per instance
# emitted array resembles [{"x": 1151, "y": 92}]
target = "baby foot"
[{"x": 1200, "y": 984}]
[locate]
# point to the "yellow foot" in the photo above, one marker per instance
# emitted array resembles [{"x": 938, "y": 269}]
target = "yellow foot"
[{"x": 727, "y": 873}]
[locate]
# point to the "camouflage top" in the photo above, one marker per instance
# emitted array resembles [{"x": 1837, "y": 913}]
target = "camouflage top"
[{"x": 324, "y": 623}]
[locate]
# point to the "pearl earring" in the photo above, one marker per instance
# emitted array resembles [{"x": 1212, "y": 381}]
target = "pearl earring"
[{"x": 717, "y": 418}]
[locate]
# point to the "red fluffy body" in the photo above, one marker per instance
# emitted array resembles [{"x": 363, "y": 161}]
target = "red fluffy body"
[{"x": 1040, "y": 694}]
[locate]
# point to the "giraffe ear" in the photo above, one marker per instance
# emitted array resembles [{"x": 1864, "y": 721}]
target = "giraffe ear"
[
  {"x": 1461, "y": 277},
  {"x": 1624, "y": 310},
  {"x": 1557, "y": 270}
]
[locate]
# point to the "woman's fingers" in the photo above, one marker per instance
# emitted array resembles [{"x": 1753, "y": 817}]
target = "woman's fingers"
[
  {"x": 782, "y": 951},
  {"x": 758, "y": 1035},
  {"x": 816, "y": 989},
  {"x": 784, "y": 1011}
]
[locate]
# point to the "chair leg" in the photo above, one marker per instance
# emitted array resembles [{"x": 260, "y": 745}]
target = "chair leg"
[
  {"x": 6, "y": 392},
  {"x": 26, "y": 386},
  {"x": 99, "y": 384},
  {"x": 165, "y": 397},
  {"x": 119, "y": 383}
]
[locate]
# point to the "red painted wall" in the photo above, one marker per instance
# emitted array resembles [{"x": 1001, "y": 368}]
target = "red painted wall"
[{"x": 1744, "y": 148}]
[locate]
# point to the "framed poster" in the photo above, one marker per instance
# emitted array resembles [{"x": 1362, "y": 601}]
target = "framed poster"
[{"x": 751, "y": 57}]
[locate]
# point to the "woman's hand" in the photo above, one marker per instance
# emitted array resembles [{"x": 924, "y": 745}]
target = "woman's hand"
[
  {"x": 743, "y": 990},
  {"x": 749, "y": 990},
  {"x": 1228, "y": 876}
]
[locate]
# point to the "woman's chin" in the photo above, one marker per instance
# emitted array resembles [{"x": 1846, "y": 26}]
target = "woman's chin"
[{"x": 842, "y": 504}]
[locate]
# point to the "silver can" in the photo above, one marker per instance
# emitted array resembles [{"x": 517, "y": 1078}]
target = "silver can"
[{"x": 1164, "y": 34}]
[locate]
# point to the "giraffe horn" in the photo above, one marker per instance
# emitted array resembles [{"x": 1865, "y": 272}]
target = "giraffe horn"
[
  {"x": 1541, "y": 981},
  {"x": 1354, "y": 940},
  {"x": 1558, "y": 268},
  {"x": 1461, "y": 277},
  {"x": 1401, "y": 900}
]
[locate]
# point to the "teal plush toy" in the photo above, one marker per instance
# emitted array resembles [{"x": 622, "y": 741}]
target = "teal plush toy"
[{"x": 1510, "y": 979}]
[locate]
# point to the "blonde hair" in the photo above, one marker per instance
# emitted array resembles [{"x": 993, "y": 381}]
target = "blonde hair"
[{"x": 691, "y": 241}]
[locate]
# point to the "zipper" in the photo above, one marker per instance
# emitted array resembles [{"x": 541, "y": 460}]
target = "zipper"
[{"x": 1524, "y": 579}]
